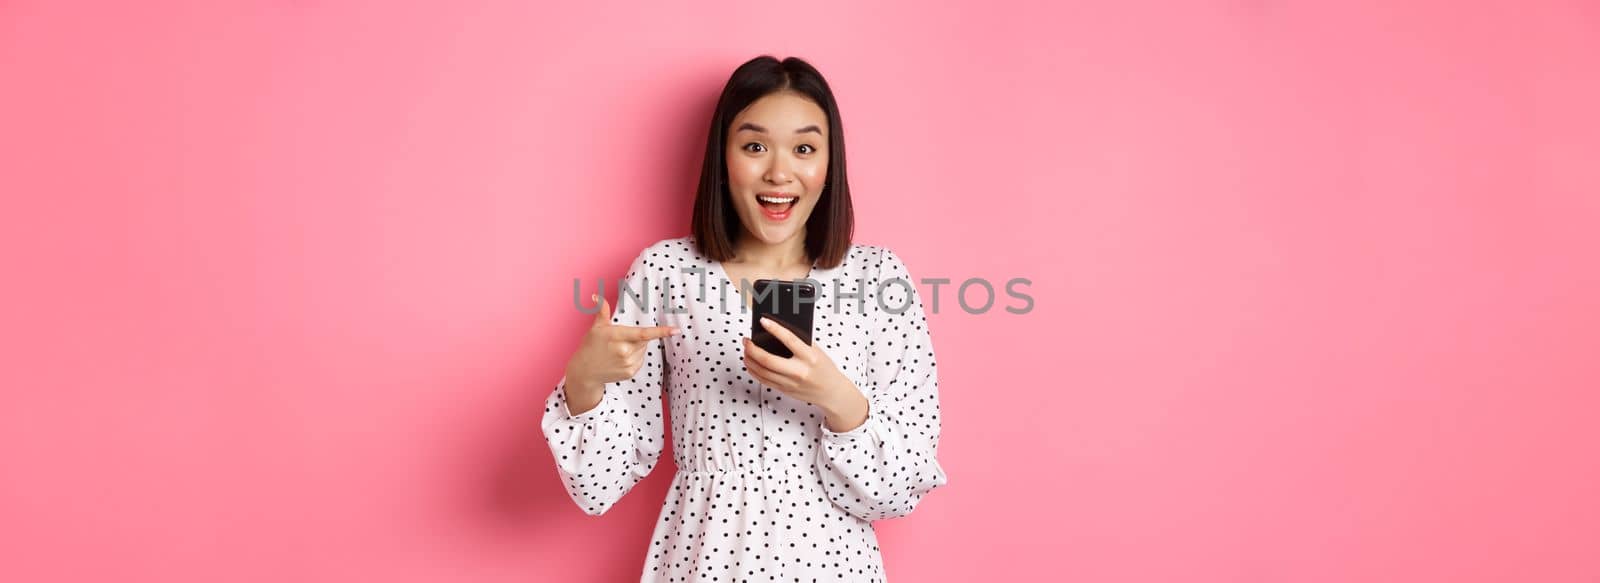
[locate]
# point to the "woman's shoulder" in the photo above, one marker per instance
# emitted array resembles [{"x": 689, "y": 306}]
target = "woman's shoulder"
[
  {"x": 665, "y": 255},
  {"x": 671, "y": 247},
  {"x": 874, "y": 258}
]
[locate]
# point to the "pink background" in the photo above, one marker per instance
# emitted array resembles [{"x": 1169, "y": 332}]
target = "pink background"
[{"x": 1317, "y": 287}]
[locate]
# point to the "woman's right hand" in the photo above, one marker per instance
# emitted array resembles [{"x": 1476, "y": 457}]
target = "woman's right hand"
[{"x": 609, "y": 353}]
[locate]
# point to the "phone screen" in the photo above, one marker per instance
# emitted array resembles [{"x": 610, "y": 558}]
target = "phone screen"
[{"x": 790, "y": 303}]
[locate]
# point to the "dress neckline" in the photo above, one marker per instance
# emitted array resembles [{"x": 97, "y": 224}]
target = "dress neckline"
[
  {"x": 727, "y": 281},
  {"x": 816, "y": 274}
]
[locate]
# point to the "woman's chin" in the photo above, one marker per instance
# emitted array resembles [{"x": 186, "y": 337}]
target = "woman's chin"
[{"x": 774, "y": 234}]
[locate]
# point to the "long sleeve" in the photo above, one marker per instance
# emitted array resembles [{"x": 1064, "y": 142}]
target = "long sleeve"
[
  {"x": 603, "y": 452},
  {"x": 884, "y": 467}
]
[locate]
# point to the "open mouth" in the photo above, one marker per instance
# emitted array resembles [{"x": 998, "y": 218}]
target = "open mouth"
[{"x": 777, "y": 207}]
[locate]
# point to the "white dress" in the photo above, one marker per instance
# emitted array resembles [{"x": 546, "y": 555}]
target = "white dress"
[{"x": 764, "y": 491}]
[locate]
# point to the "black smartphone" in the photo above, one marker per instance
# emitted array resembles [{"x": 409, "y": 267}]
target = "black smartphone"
[{"x": 790, "y": 304}]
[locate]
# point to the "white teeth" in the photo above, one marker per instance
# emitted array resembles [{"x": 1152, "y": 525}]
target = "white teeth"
[{"x": 777, "y": 199}]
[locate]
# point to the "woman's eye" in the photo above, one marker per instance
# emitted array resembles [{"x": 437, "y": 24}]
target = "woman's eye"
[{"x": 757, "y": 147}]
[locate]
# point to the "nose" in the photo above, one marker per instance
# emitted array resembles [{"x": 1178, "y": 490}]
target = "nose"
[{"x": 778, "y": 171}]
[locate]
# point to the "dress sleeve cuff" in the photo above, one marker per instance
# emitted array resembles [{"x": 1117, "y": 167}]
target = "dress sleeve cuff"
[
  {"x": 847, "y": 436},
  {"x": 597, "y": 411}
]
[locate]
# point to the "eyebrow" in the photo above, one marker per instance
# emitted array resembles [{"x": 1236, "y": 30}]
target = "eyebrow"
[{"x": 753, "y": 127}]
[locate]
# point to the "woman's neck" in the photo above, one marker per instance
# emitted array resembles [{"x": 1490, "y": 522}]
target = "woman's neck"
[{"x": 758, "y": 254}]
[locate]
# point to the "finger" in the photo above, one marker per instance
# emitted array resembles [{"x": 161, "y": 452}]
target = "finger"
[
  {"x": 624, "y": 349},
  {"x": 766, "y": 375},
  {"x": 784, "y": 335},
  {"x": 603, "y": 316},
  {"x": 777, "y": 364},
  {"x": 645, "y": 333}
]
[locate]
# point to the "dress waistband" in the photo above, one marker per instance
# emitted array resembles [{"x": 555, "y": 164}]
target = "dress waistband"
[{"x": 773, "y": 472}]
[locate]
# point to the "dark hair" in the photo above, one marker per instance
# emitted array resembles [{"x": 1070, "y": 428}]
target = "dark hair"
[{"x": 715, "y": 222}]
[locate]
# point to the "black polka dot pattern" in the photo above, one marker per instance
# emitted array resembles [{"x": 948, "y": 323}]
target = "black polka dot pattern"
[{"x": 764, "y": 491}]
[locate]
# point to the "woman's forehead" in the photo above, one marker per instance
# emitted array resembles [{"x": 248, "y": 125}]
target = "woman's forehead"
[{"x": 780, "y": 113}]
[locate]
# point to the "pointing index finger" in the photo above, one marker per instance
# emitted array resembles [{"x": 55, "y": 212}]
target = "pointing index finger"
[{"x": 646, "y": 333}]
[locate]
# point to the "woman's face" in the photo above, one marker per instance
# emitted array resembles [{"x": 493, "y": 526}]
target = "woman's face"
[{"x": 777, "y": 163}]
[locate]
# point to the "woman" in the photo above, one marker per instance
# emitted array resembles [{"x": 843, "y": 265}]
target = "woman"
[{"x": 782, "y": 462}]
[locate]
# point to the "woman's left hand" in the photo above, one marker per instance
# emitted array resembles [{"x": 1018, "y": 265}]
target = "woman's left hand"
[{"x": 809, "y": 375}]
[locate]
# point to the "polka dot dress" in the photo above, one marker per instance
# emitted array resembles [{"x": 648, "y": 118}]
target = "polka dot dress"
[{"x": 764, "y": 491}]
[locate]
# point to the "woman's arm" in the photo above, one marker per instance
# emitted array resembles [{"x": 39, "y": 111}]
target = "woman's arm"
[
  {"x": 607, "y": 436},
  {"x": 885, "y": 465}
]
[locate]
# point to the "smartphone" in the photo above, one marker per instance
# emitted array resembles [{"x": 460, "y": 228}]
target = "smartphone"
[{"x": 790, "y": 304}]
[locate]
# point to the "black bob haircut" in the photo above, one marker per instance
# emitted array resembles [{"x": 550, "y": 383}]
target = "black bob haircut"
[{"x": 715, "y": 222}]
